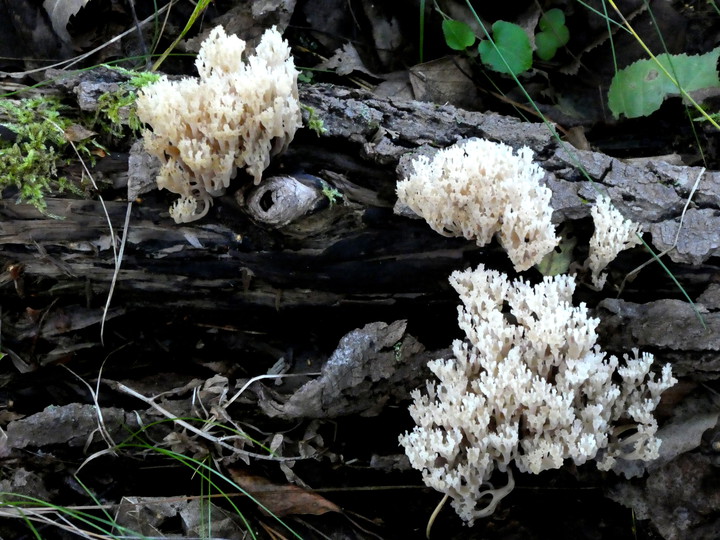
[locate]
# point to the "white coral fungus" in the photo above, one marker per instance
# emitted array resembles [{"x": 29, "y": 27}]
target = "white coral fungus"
[
  {"x": 479, "y": 188},
  {"x": 531, "y": 388},
  {"x": 237, "y": 114},
  {"x": 613, "y": 234}
]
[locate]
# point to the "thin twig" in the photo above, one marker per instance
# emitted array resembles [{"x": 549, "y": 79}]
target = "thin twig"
[
  {"x": 225, "y": 405},
  {"x": 141, "y": 38},
  {"x": 116, "y": 271},
  {"x": 677, "y": 234},
  {"x": 149, "y": 401},
  {"x": 65, "y": 64}
]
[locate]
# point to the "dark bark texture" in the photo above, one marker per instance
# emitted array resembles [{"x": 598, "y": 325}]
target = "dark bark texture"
[{"x": 291, "y": 247}]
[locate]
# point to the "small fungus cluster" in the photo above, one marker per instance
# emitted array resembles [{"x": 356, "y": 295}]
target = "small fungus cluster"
[{"x": 479, "y": 189}]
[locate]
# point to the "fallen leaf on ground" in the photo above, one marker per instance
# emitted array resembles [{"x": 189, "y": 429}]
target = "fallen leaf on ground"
[
  {"x": 282, "y": 500},
  {"x": 60, "y": 12}
]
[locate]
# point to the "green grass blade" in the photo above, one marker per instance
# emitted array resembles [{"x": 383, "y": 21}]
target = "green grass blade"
[{"x": 199, "y": 9}]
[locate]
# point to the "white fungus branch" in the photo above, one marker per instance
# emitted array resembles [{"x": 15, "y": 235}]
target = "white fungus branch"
[
  {"x": 479, "y": 189},
  {"x": 238, "y": 114},
  {"x": 529, "y": 387},
  {"x": 613, "y": 234}
]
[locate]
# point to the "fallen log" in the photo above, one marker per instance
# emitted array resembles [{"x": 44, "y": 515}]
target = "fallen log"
[{"x": 320, "y": 238}]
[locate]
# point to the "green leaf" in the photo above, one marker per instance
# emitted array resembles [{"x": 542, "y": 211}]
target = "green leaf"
[
  {"x": 512, "y": 52},
  {"x": 554, "y": 34},
  {"x": 458, "y": 35},
  {"x": 559, "y": 259},
  {"x": 640, "y": 88}
]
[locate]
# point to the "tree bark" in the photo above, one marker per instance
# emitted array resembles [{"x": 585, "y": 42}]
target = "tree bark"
[{"x": 293, "y": 245}]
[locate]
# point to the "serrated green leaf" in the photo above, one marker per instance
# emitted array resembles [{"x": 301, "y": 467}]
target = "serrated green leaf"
[
  {"x": 458, "y": 35},
  {"x": 554, "y": 34},
  {"x": 640, "y": 88},
  {"x": 512, "y": 52}
]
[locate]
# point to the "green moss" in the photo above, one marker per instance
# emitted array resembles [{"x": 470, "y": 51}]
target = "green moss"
[
  {"x": 116, "y": 113},
  {"x": 137, "y": 79},
  {"x": 31, "y": 161},
  {"x": 314, "y": 122},
  {"x": 332, "y": 194}
]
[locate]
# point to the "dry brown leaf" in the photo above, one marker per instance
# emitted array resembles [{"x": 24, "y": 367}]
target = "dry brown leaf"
[
  {"x": 60, "y": 12},
  {"x": 345, "y": 61},
  {"x": 77, "y": 133},
  {"x": 445, "y": 80},
  {"x": 283, "y": 500}
]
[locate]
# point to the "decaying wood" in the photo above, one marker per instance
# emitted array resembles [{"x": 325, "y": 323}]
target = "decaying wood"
[{"x": 288, "y": 244}]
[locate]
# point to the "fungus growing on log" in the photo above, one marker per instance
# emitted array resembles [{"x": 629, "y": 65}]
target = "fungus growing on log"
[
  {"x": 479, "y": 188},
  {"x": 529, "y": 387},
  {"x": 613, "y": 234},
  {"x": 238, "y": 114}
]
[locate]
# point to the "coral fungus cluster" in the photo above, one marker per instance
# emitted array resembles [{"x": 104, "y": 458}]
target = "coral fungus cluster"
[
  {"x": 236, "y": 115},
  {"x": 529, "y": 386}
]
